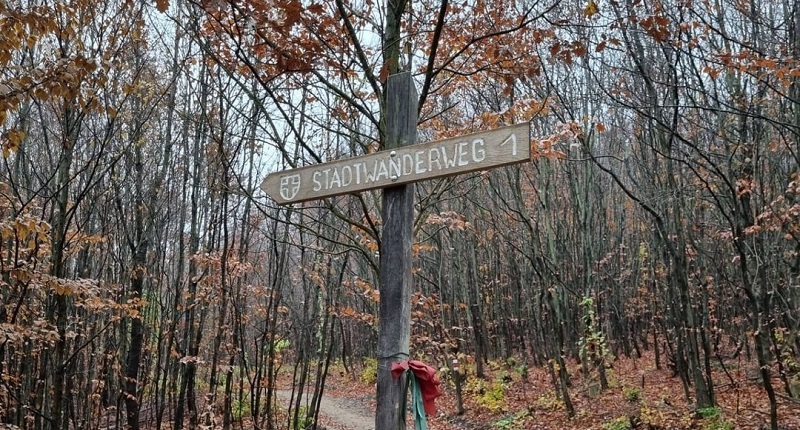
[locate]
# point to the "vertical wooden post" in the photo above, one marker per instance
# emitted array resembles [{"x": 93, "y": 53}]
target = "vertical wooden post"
[{"x": 394, "y": 330}]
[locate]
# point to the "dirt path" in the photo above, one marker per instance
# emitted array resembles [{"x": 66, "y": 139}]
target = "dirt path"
[{"x": 339, "y": 413}]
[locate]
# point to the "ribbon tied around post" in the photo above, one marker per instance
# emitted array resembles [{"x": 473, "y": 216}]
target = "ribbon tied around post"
[{"x": 424, "y": 389}]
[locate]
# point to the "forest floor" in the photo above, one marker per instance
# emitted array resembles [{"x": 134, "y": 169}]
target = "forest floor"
[
  {"x": 342, "y": 412},
  {"x": 639, "y": 394}
]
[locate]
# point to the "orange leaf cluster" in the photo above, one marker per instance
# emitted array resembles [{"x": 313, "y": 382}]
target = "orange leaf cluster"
[
  {"x": 270, "y": 38},
  {"x": 349, "y": 313},
  {"x": 448, "y": 219},
  {"x": 490, "y": 49}
]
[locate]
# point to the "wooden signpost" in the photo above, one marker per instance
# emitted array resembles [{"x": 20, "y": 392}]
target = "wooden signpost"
[{"x": 395, "y": 169}]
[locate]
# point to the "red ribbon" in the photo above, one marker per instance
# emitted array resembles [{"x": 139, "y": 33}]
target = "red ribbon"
[{"x": 426, "y": 377}]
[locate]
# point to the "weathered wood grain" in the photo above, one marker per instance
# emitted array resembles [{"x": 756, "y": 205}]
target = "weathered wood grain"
[{"x": 394, "y": 331}]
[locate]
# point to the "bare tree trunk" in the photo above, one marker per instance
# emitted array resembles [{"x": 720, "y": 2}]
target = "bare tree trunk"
[
  {"x": 193, "y": 320},
  {"x": 72, "y": 120}
]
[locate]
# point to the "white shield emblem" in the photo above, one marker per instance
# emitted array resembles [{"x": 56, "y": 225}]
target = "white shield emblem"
[{"x": 290, "y": 185}]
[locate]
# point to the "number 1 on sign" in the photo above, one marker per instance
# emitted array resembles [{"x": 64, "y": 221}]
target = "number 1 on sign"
[{"x": 513, "y": 139}]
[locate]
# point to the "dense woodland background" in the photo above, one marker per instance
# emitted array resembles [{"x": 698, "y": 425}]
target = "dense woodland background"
[{"x": 147, "y": 280}]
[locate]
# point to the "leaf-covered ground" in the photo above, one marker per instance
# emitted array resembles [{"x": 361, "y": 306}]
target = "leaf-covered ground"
[{"x": 639, "y": 395}]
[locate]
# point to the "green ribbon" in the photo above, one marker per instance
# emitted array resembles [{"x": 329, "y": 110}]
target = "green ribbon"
[{"x": 420, "y": 420}]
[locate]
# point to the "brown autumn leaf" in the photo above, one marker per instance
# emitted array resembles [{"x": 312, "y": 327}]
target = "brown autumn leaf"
[
  {"x": 293, "y": 10},
  {"x": 316, "y": 8},
  {"x": 591, "y": 9},
  {"x": 162, "y": 5}
]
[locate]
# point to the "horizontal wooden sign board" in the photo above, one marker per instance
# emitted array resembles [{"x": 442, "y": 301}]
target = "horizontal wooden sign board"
[{"x": 413, "y": 163}]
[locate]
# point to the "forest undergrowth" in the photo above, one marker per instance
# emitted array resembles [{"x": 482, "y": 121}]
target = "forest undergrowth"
[{"x": 513, "y": 397}]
